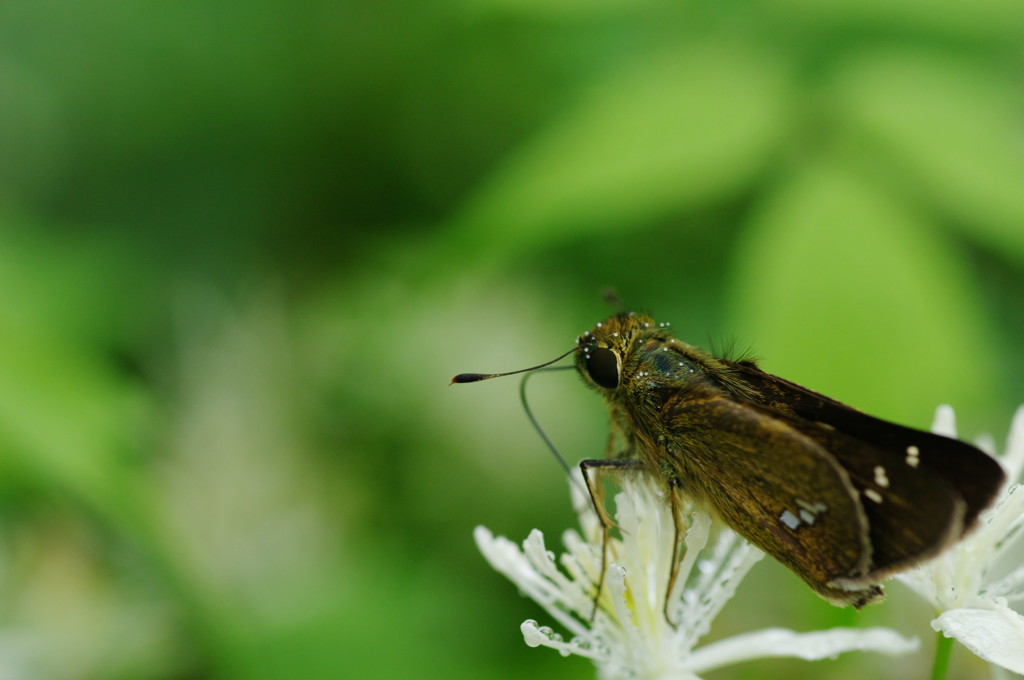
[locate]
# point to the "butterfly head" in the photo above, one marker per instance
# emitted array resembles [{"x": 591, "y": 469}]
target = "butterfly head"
[{"x": 602, "y": 352}]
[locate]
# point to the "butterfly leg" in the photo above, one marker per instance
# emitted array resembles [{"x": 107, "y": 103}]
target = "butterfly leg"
[
  {"x": 597, "y": 498},
  {"x": 677, "y": 544}
]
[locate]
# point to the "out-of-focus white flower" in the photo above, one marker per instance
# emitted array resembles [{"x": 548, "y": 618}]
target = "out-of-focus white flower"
[
  {"x": 629, "y": 636},
  {"x": 969, "y": 584}
]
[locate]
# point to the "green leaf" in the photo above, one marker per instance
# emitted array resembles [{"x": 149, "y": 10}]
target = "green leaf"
[
  {"x": 963, "y": 19},
  {"x": 69, "y": 421},
  {"x": 954, "y": 130},
  {"x": 848, "y": 292},
  {"x": 671, "y": 132},
  {"x": 561, "y": 10}
]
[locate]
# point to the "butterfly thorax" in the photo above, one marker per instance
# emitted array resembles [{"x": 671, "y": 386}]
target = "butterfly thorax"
[{"x": 638, "y": 366}]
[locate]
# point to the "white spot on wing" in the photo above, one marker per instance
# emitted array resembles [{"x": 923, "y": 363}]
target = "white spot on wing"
[
  {"x": 816, "y": 508},
  {"x": 873, "y": 495},
  {"x": 807, "y": 514},
  {"x": 913, "y": 456},
  {"x": 810, "y": 511},
  {"x": 881, "y": 479}
]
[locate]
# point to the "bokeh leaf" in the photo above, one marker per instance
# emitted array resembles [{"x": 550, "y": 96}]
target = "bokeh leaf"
[
  {"x": 849, "y": 292},
  {"x": 69, "y": 421},
  {"x": 561, "y": 9},
  {"x": 977, "y": 19},
  {"x": 953, "y": 127},
  {"x": 672, "y": 131}
]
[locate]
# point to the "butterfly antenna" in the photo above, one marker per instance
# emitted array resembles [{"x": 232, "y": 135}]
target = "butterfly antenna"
[{"x": 611, "y": 296}]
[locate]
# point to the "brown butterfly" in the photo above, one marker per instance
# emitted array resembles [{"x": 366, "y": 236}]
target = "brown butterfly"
[{"x": 841, "y": 498}]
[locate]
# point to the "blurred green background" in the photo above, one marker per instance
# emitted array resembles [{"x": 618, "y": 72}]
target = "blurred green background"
[{"x": 244, "y": 246}]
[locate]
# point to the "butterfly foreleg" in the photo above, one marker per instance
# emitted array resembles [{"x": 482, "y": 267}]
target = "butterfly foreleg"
[{"x": 596, "y": 492}]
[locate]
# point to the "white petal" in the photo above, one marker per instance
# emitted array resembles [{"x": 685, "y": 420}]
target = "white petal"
[
  {"x": 945, "y": 421},
  {"x": 535, "y": 635},
  {"x": 1003, "y": 523},
  {"x": 779, "y": 642},
  {"x": 506, "y": 558},
  {"x": 987, "y": 443},
  {"x": 995, "y": 635},
  {"x": 716, "y": 580},
  {"x": 1013, "y": 459},
  {"x": 1010, "y": 586}
]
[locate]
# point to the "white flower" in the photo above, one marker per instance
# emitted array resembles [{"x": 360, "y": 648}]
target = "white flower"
[
  {"x": 629, "y": 636},
  {"x": 967, "y": 584}
]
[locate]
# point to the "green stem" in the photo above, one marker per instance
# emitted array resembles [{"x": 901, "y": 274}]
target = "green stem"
[{"x": 943, "y": 648}]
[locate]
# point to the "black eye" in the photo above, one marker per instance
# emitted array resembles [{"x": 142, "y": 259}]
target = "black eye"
[{"x": 603, "y": 367}]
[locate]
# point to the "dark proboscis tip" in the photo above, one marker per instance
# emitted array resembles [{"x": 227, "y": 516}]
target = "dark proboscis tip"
[
  {"x": 468, "y": 378},
  {"x": 476, "y": 377}
]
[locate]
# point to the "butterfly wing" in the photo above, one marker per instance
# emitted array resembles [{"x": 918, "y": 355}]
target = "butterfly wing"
[
  {"x": 776, "y": 487},
  {"x": 920, "y": 491}
]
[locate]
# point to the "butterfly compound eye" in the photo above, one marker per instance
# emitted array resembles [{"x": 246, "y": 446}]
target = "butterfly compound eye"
[{"x": 603, "y": 367}]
